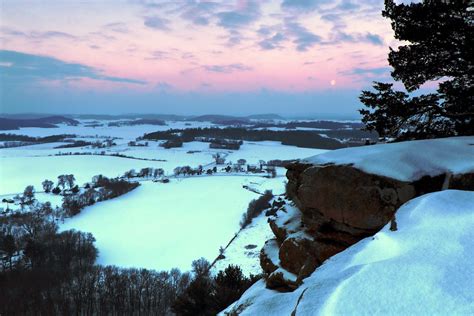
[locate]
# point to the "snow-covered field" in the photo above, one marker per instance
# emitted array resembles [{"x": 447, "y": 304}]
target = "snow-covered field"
[
  {"x": 157, "y": 225},
  {"x": 125, "y": 133},
  {"x": 426, "y": 267},
  {"x": 18, "y": 172},
  {"x": 162, "y": 226},
  {"x": 32, "y": 164}
]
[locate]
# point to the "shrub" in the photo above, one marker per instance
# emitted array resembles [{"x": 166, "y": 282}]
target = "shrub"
[
  {"x": 75, "y": 189},
  {"x": 256, "y": 207}
]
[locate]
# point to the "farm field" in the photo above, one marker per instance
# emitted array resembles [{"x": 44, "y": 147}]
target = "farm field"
[{"x": 158, "y": 226}]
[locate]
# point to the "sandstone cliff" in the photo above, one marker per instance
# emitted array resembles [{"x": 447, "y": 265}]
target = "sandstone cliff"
[{"x": 333, "y": 205}]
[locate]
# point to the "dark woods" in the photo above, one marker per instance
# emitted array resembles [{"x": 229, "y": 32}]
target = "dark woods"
[
  {"x": 57, "y": 276},
  {"x": 45, "y": 272}
]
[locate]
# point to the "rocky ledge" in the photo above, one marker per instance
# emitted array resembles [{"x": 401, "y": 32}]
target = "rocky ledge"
[{"x": 334, "y": 205}]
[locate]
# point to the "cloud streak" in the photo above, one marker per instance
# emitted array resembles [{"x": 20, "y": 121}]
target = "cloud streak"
[
  {"x": 304, "y": 5},
  {"x": 19, "y": 67},
  {"x": 157, "y": 23},
  {"x": 303, "y": 38},
  {"x": 37, "y": 35},
  {"x": 226, "y": 69}
]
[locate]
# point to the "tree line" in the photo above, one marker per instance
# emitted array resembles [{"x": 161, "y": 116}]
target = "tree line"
[
  {"x": 14, "y": 140},
  {"x": 101, "y": 188},
  {"x": 308, "y": 139}
]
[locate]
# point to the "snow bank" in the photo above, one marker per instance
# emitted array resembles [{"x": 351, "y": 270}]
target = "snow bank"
[
  {"x": 424, "y": 268},
  {"x": 407, "y": 161}
]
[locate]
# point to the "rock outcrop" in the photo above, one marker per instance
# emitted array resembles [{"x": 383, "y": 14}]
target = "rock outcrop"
[
  {"x": 423, "y": 268},
  {"x": 334, "y": 206}
]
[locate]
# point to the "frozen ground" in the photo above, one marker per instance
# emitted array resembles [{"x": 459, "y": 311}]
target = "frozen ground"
[
  {"x": 162, "y": 226},
  {"x": 23, "y": 166},
  {"x": 36, "y": 160},
  {"x": 192, "y": 153},
  {"x": 426, "y": 267}
]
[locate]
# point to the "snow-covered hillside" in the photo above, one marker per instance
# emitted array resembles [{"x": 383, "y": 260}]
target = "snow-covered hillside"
[
  {"x": 426, "y": 267},
  {"x": 16, "y": 160}
]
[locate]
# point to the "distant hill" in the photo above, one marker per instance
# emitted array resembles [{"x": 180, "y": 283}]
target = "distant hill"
[
  {"x": 216, "y": 118},
  {"x": 107, "y": 117},
  {"x": 137, "y": 122},
  {"x": 44, "y": 122},
  {"x": 269, "y": 116}
]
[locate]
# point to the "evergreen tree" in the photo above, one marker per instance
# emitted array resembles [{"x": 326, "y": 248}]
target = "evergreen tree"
[
  {"x": 440, "y": 36},
  {"x": 229, "y": 285}
]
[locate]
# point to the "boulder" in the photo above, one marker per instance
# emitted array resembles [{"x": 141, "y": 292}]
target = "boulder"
[
  {"x": 282, "y": 281},
  {"x": 294, "y": 251},
  {"x": 269, "y": 256}
]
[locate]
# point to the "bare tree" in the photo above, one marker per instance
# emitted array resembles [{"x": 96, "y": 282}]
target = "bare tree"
[
  {"x": 70, "y": 180},
  {"x": 28, "y": 195},
  {"x": 47, "y": 185}
]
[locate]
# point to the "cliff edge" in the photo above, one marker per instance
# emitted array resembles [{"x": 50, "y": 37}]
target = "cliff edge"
[{"x": 341, "y": 197}]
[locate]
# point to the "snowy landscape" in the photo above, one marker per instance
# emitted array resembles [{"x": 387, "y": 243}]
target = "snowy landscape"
[
  {"x": 164, "y": 225},
  {"x": 166, "y": 216},
  {"x": 237, "y": 157}
]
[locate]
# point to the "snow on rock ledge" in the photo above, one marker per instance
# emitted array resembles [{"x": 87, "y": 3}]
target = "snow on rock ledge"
[
  {"x": 339, "y": 203},
  {"x": 426, "y": 267},
  {"x": 406, "y": 161}
]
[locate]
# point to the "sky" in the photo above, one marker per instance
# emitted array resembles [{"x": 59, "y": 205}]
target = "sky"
[{"x": 291, "y": 57}]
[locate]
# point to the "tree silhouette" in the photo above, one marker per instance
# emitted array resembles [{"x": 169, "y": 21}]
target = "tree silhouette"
[{"x": 440, "y": 36}]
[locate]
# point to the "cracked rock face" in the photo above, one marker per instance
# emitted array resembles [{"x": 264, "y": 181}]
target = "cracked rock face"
[
  {"x": 335, "y": 207},
  {"x": 351, "y": 197}
]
